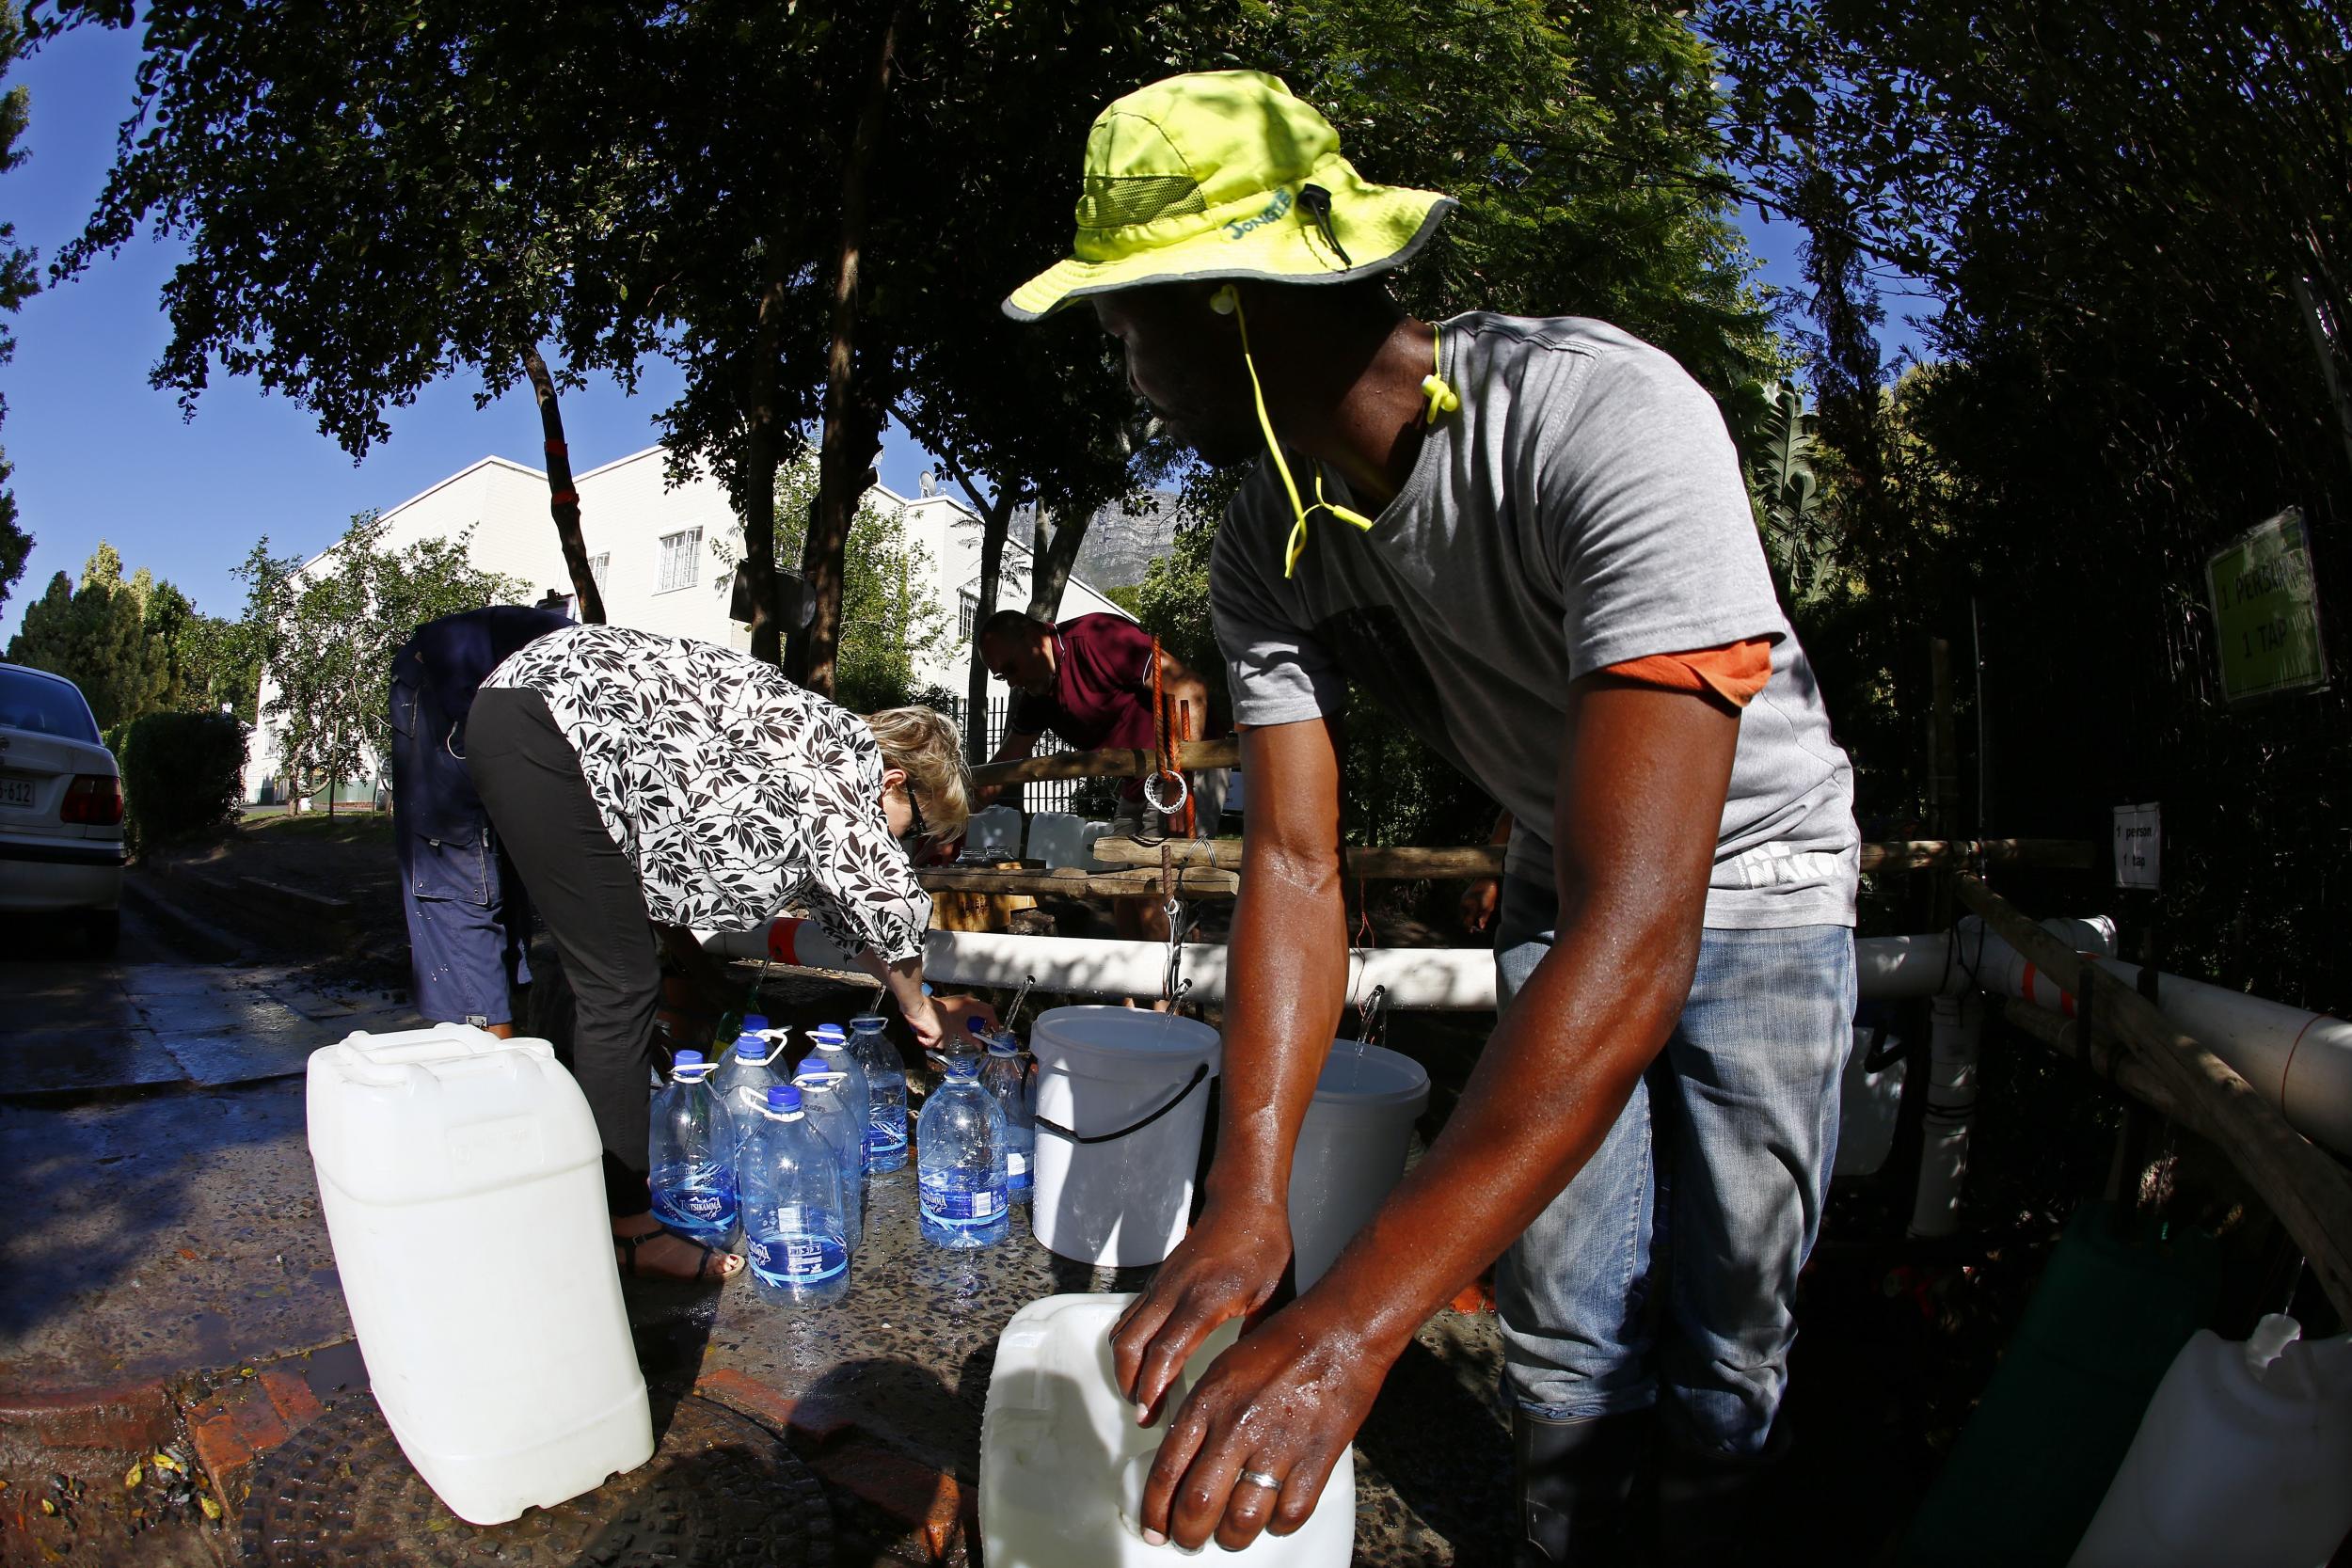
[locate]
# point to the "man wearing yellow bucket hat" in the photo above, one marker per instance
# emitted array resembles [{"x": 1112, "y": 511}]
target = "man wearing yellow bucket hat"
[{"x": 1530, "y": 538}]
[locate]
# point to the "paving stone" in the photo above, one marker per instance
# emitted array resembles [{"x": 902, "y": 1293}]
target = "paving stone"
[
  {"x": 930, "y": 1504},
  {"x": 222, "y": 1453},
  {"x": 53, "y": 1061},
  {"x": 230, "y": 1010},
  {"x": 218, "y": 1060},
  {"x": 126, "y": 1416},
  {"x": 291, "y": 1397}
]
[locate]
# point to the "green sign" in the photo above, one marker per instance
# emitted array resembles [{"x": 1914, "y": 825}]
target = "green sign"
[{"x": 2265, "y": 606}]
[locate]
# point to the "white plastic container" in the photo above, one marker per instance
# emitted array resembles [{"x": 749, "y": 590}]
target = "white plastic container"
[
  {"x": 1063, "y": 1463},
  {"x": 461, "y": 1180},
  {"x": 1351, "y": 1149},
  {"x": 1053, "y": 838},
  {"x": 1124, "y": 1201},
  {"x": 1870, "y": 1101},
  {"x": 2244, "y": 1456},
  {"x": 993, "y": 833},
  {"x": 1086, "y": 837}
]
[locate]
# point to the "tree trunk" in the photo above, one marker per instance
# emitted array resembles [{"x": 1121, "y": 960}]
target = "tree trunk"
[
  {"x": 995, "y": 523},
  {"x": 838, "y": 464},
  {"x": 1050, "y": 572},
  {"x": 563, "y": 500}
]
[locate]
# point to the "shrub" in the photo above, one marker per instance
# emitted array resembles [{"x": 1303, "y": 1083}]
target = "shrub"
[{"x": 182, "y": 772}]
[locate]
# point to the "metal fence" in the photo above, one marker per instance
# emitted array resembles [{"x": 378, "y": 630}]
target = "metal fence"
[{"x": 1092, "y": 798}]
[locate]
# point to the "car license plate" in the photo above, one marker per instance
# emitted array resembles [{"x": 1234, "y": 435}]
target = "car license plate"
[{"x": 17, "y": 793}]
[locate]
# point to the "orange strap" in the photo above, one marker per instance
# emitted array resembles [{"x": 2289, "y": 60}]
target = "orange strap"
[{"x": 1167, "y": 746}]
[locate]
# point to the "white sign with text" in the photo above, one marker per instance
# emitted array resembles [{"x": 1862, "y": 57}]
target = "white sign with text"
[{"x": 2139, "y": 846}]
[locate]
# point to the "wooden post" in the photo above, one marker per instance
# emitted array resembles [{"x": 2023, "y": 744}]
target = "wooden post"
[{"x": 2304, "y": 1187}]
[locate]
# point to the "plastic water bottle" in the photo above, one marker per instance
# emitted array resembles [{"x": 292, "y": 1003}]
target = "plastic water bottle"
[
  {"x": 791, "y": 1196},
  {"x": 886, "y": 1089},
  {"x": 831, "y": 1045},
  {"x": 1002, "y": 1077},
  {"x": 960, "y": 1160},
  {"x": 825, "y": 1101},
  {"x": 749, "y": 1075},
  {"x": 693, "y": 1157}
]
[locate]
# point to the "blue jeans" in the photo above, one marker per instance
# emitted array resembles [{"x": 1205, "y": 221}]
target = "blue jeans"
[{"x": 1667, "y": 1267}]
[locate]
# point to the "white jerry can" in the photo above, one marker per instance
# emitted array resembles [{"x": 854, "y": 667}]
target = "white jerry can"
[
  {"x": 460, "y": 1175},
  {"x": 1063, "y": 1464}
]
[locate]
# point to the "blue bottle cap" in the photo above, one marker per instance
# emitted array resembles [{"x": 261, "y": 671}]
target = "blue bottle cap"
[
  {"x": 865, "y": 1023},
  {"x": 783, "y": 1097},
  {"x": 978, "y": 1026},
  {"x": 753, "y": 1023},
  {"x": 963, "y": 1067},
  {"x": 751, "y": 1048},
  {"x": 687, "y": 1059},
  {"x": 811, "y": 1065},
  {"x": 828, "y": 1034}
]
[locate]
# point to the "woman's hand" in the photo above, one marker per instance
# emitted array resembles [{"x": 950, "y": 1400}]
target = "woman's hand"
[{"x": 938, "y": 1022}]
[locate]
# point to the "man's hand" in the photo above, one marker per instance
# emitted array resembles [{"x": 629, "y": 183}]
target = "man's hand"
[
  {"x": 1480, "y": 902},
  {"x": 1229, "y": 1266},
  {"x": 1285, "y": 1400}
]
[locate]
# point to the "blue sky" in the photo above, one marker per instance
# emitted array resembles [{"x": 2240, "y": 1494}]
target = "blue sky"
[{"x": 101, "y": 455}]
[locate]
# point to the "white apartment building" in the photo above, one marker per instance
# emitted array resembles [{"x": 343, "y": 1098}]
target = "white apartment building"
[{"x": 664, "y": 561}]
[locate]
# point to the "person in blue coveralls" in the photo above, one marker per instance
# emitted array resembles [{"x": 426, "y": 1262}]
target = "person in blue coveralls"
[{"x": 468, "y": 916}]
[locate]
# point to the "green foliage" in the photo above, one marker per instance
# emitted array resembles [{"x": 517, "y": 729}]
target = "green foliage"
[
  {"x": 1797, "y": 537},
  {"x": 1581, "y": 146},
  {"x": 327, "y": 632},
  {"x": 181, "y": 773},
  {"x": 135, "y": 647},
  {"x": 889, "y": 621},
  {"x": 18, "y": 283},
  {"x": 2132, "y": 216},
  {"x": 95, "y": 635},
  {"x": 382, "y": 196}
]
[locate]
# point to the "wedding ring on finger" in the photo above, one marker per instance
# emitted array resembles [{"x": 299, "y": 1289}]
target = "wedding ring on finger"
[{"x": 1259, "y": 1477}]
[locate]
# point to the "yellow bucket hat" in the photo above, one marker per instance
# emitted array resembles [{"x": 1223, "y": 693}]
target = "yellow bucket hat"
[{"x": 1225, "y": 174}]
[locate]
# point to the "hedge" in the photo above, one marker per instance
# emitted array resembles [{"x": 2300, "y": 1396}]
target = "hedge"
[{"x": 182, "y": 772}]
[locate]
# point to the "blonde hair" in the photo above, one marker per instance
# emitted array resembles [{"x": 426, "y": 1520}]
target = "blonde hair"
[{"x": 926, "y": 746}]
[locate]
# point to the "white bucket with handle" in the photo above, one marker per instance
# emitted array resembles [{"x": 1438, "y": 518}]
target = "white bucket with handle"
[{"x": 1122, "y": 1098}]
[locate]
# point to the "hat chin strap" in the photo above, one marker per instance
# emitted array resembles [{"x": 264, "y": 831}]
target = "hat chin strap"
[{"x": 1442, "y": 399}]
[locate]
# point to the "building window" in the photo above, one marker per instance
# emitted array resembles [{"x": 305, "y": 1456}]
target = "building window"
[
  {"x": 597, "y": 564},
  {"x": 967, "y": 611},
  {"x": 681, "y": 559}
]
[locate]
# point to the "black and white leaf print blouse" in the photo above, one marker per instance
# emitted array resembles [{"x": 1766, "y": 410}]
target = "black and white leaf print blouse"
[{"x": 735, "y": 791}]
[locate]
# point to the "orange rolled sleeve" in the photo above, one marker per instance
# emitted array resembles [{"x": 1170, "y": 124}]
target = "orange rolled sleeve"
[{"x": 1734, "y": 672}]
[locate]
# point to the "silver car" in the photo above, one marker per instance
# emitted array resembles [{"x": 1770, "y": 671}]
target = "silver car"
[{"x": 61, "y": 806}]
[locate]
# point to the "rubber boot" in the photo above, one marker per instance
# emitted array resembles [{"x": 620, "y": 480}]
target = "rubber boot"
[
  {"x": 1722, "y": 1511},
  {"x": 1575, "y": 1479}
]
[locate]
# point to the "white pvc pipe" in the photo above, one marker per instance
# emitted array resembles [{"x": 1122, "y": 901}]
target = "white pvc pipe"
[
  {"x": 2298, "y": 1060},
  {"x": 1955, "y": 1041}
]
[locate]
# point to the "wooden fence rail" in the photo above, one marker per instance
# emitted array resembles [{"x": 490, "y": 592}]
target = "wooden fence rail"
[{"x": 1210, "y": 868}]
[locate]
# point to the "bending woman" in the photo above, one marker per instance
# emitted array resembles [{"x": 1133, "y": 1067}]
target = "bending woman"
[{"x": 635, "y": 778}]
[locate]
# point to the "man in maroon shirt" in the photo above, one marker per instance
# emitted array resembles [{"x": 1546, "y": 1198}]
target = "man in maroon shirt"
[{"x": 1088, "y": 681}]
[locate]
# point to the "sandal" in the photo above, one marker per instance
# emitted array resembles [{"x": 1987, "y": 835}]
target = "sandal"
[{"x": 702, "y": 1275}]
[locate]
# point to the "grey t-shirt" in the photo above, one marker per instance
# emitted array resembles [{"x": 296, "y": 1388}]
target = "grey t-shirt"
[{"x": 1582, "y": 507}]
